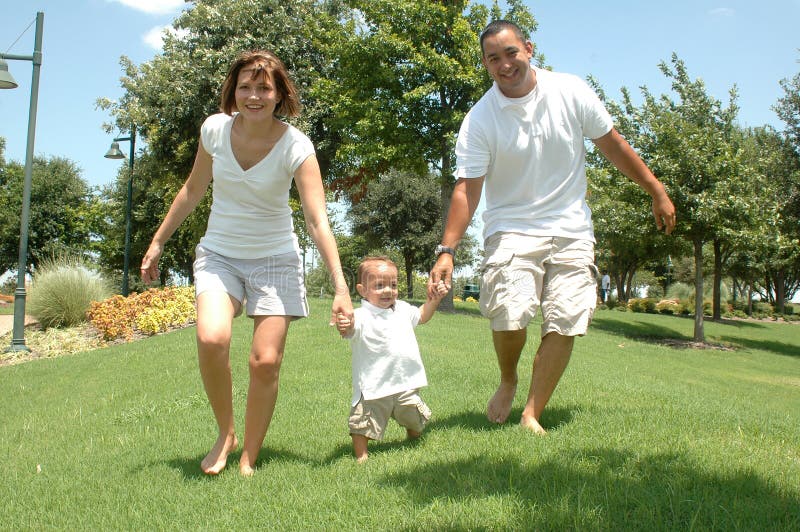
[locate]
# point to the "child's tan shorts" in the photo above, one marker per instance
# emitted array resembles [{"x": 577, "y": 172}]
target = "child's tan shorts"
[{"x": 370, "y": 417}]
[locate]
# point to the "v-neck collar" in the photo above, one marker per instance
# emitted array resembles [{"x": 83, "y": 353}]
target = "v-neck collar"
[{"x": 229, "y": 143}]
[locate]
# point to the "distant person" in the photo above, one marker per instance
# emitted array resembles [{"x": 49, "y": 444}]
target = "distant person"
[
  {"x": 249, "y": 257},
  {"x": 387, "y": 367},
  {"x": 605, "y": 286},
  {"x": 524, "y": 141}
]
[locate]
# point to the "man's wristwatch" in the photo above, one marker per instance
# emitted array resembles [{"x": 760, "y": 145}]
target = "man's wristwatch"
[{"x": 444, "y": 249}]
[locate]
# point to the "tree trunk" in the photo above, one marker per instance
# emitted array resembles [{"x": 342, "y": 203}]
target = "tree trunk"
[
  {"x": 716, "y": 312},
  {"x": 699, "y": 333},
  {"x": 780, "y": 290},
  {"x": 409, "y": 276}
]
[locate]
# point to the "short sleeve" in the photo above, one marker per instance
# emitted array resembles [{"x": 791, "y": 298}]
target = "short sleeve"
[
  {"x": 211, "y": 130},
  {"x": 596, "y": 121},
  {"x": 301, "y": 148},
  {"x": 472, "y": 150}
]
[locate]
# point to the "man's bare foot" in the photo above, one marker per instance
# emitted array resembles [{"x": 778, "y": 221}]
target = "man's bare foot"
[
  {"x": 362, "y": 459},
  {"x": 499, "y": 406},
  {"x": 217, "y": 458},
  {"x": 531, "y": 424},
  {"x": 246, "y": 470}
]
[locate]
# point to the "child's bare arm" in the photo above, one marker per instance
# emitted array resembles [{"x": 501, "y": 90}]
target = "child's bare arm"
[
  {"x": 345, "y": 326},
  {"x": 429, "y": 307}
]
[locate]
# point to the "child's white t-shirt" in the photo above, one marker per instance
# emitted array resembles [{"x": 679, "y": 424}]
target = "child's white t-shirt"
[{"x": 386, "y": 358}]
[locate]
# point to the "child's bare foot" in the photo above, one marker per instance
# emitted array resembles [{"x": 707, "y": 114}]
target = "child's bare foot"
[
  {"x": 217, "y": 458},
  {"x": 530, "y": 423},
  {"x": 499, "y": 406}
]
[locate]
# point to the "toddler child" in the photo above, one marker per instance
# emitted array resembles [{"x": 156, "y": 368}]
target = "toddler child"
[{"x": 387, "y": 368}]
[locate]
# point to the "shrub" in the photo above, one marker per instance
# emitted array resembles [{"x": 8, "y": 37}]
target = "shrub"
[
  {"x": 148, "y": 313},
  {"x": 642, "y": 304},
  {"x": 62, "y": 291},
  {"x": 668, "y": 306}
]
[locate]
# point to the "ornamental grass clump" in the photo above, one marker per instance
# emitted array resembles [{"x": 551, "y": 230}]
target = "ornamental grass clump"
[{"x": 62, "y": 290}]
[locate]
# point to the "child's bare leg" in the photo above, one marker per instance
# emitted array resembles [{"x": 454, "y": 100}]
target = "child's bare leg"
[
  {"x": 360, "y": 447},
  {"x": 266, "y": 355},
  {"x": 215, "y": 311}
]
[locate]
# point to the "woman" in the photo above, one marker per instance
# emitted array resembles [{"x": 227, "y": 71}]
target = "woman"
[{"x": 249, "y": 254}]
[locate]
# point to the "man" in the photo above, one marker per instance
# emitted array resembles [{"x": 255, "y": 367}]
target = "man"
[
  {"x": 524, "y": 140},
  {"x": 605, "y": 286}
]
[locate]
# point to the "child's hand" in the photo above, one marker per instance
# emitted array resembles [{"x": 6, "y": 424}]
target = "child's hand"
[
  {"x": 343, "y": 324},
  {"x": 439, "y": 290}
]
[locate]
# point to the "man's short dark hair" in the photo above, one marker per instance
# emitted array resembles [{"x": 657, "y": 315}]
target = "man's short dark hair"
[{"x": 496, "y": 26}]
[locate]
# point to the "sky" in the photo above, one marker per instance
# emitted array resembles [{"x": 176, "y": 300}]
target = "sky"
[{"x": 749, "y": 44}]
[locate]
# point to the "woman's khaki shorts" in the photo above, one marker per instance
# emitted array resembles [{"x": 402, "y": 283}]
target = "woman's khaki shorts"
[
  {"x": 370, "y": 417},
  {"x": 270, "y": 286},
  {"x": 522, "y": 273}
]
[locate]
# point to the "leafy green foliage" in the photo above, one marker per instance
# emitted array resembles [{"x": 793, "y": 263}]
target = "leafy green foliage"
[
  {"x": 62, "y": 291},
  {"x": 60, "y": 212}
]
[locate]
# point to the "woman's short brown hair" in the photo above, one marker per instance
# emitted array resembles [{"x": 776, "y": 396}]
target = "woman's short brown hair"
[{"x": 265, "y": 62}]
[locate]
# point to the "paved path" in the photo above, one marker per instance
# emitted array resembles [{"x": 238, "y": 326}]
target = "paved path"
[{"x": 7, "y": 323}]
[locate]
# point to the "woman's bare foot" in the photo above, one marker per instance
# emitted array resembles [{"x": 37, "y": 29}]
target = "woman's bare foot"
[
  {"x": 499, "y": 406},
  {"x": 362, "y": 459},
  {"x": 246, "y": 470},
  {"x": 217, "y": 458},
  {"x": 247, "y": 467},
  {"x": 531, "y": 424},
  {"x": 412, "y": 434}
]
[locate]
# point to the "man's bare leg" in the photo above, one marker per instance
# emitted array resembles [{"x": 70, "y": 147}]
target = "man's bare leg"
[
  {"x": 549, "y": 364},
  {"x": 508, "y": 346}
]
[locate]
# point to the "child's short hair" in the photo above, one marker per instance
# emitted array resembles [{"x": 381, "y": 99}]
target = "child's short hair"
[{"x": 369, "y": 261}]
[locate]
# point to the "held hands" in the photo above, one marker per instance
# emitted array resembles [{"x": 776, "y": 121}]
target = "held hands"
[
  {"x": 344, "y": 325},
  {"x": 441, "y": 273},
  {"x": 438, "y": 291}
]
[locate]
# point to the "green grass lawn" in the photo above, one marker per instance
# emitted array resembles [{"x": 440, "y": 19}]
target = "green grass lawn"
[{"x": 641, "y": 436}]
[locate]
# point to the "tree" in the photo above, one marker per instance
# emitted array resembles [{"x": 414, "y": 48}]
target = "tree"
[
  {"x": 405, "y": 74},
  {"x": 788, "y": 109},
  {"x": 59, "y": 215},
  {"x": 169, "y": 97},
  {"x": 400, "y": 210}
]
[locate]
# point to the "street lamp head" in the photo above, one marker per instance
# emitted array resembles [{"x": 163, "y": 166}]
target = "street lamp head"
[
  {"x": 114, "y": 152},
  {"x": 7, "y": 81}
]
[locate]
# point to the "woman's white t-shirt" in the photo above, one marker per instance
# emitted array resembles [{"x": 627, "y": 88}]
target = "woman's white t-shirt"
[{"x": 250, "y": 214}]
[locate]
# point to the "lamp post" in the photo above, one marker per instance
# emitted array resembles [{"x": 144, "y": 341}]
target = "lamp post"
[
  {"x": 115, "y": 153},
  {"x": 8, "y": 82}
]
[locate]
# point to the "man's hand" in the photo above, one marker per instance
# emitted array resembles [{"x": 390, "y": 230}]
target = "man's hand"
[{"x": 442, "y": 272}]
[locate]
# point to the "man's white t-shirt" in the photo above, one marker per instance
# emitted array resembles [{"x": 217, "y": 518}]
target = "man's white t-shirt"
[
  {"x": 386, "y": 358},
  {"x": 532, "y": 152},
  {"x": 250, "y": 214}
]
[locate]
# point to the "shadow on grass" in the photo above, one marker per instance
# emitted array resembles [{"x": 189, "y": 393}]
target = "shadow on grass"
[
  {"x": 648, "y": 332},
  {"x": 477, "y": 422},
  {"x": 602, "y": 489},
  {"x": 779, "y": 348},
  {"x": 190, "y": 467}
]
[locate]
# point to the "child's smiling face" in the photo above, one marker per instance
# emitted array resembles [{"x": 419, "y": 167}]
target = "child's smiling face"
[{"x": 379, "y": 285}]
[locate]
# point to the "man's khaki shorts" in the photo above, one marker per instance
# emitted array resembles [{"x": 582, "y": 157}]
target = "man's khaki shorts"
[
  {"x": 369, "y": 418},
  {"x": 522, "y": 273}
]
